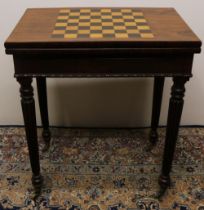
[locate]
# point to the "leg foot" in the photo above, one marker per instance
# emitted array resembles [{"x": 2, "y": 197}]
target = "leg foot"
[
  {"x": 153, "y": 136},
  {"x": 46, "y": 134},
  {"x": 164, "y": 183},
  {"x": 37, "y": 182}
]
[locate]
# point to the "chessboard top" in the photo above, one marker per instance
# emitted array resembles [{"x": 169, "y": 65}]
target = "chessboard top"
[{"x": 102, "y": 27}]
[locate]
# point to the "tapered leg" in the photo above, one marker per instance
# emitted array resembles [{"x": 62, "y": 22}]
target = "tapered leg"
[
  {"x": 28, "y": 108},
  {"x": 156, "y": 108},
  {"x": 42, "y": 97},
  {"x": 174, "y": 116}
]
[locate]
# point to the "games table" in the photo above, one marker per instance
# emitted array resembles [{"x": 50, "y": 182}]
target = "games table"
[{"x": 102, "y": 42}]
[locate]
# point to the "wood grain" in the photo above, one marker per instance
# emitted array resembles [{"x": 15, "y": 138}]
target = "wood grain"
[{"x": 36, "y": 26}]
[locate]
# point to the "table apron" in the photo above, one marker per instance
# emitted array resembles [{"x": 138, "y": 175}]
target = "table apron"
[{"x": 66, "y": 66}]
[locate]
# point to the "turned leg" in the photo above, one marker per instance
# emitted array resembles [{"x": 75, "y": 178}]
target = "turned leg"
[
  {"x": 42, "y": 97},
  {"x": 28, "y": 108},
  {"x": 174, "y": 116},
  {"x": 156, "y": 108}
]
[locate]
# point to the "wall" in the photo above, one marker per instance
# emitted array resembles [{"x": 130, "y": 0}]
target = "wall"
[{"x": 99, "y": 102}]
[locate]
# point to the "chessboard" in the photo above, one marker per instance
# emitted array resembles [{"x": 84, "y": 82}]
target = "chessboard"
[{"x": 99, "y": 23}]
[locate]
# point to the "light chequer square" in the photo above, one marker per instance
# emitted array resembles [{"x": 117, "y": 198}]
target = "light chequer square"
[{"x": 99, "y": 23}]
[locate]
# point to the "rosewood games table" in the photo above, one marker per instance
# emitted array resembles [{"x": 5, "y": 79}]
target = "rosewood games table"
[{"x": 102, "y": 42}]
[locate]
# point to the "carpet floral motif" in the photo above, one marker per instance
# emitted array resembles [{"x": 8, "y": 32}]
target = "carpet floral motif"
[{"x": 101, "y": 169}]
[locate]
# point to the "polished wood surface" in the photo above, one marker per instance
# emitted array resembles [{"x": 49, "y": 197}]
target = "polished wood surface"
[{"x": 36, "y": 27}]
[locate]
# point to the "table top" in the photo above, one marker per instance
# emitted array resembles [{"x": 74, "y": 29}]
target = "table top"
[{"x": 101, "y": 27}]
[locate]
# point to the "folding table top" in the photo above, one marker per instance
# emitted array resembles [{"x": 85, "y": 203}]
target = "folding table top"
[{"x": 100, "y": 28}]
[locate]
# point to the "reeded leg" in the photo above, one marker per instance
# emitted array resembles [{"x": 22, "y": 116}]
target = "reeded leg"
[
  {"x": 28, "y": 108},
  {"x": 174, "y": 116},
  {"x": 156, "y": 108},
  {"x": 42, "y": 97}
]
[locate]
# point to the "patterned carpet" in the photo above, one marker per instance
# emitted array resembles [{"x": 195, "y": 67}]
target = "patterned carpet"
[{"x": 97, "y": 169}]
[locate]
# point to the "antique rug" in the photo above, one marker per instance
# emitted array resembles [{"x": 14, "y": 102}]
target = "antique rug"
[{"x": 101, "y": 169}]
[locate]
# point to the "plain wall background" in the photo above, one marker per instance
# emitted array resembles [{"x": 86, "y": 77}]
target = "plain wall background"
[{"x": 100, "y": 102}]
